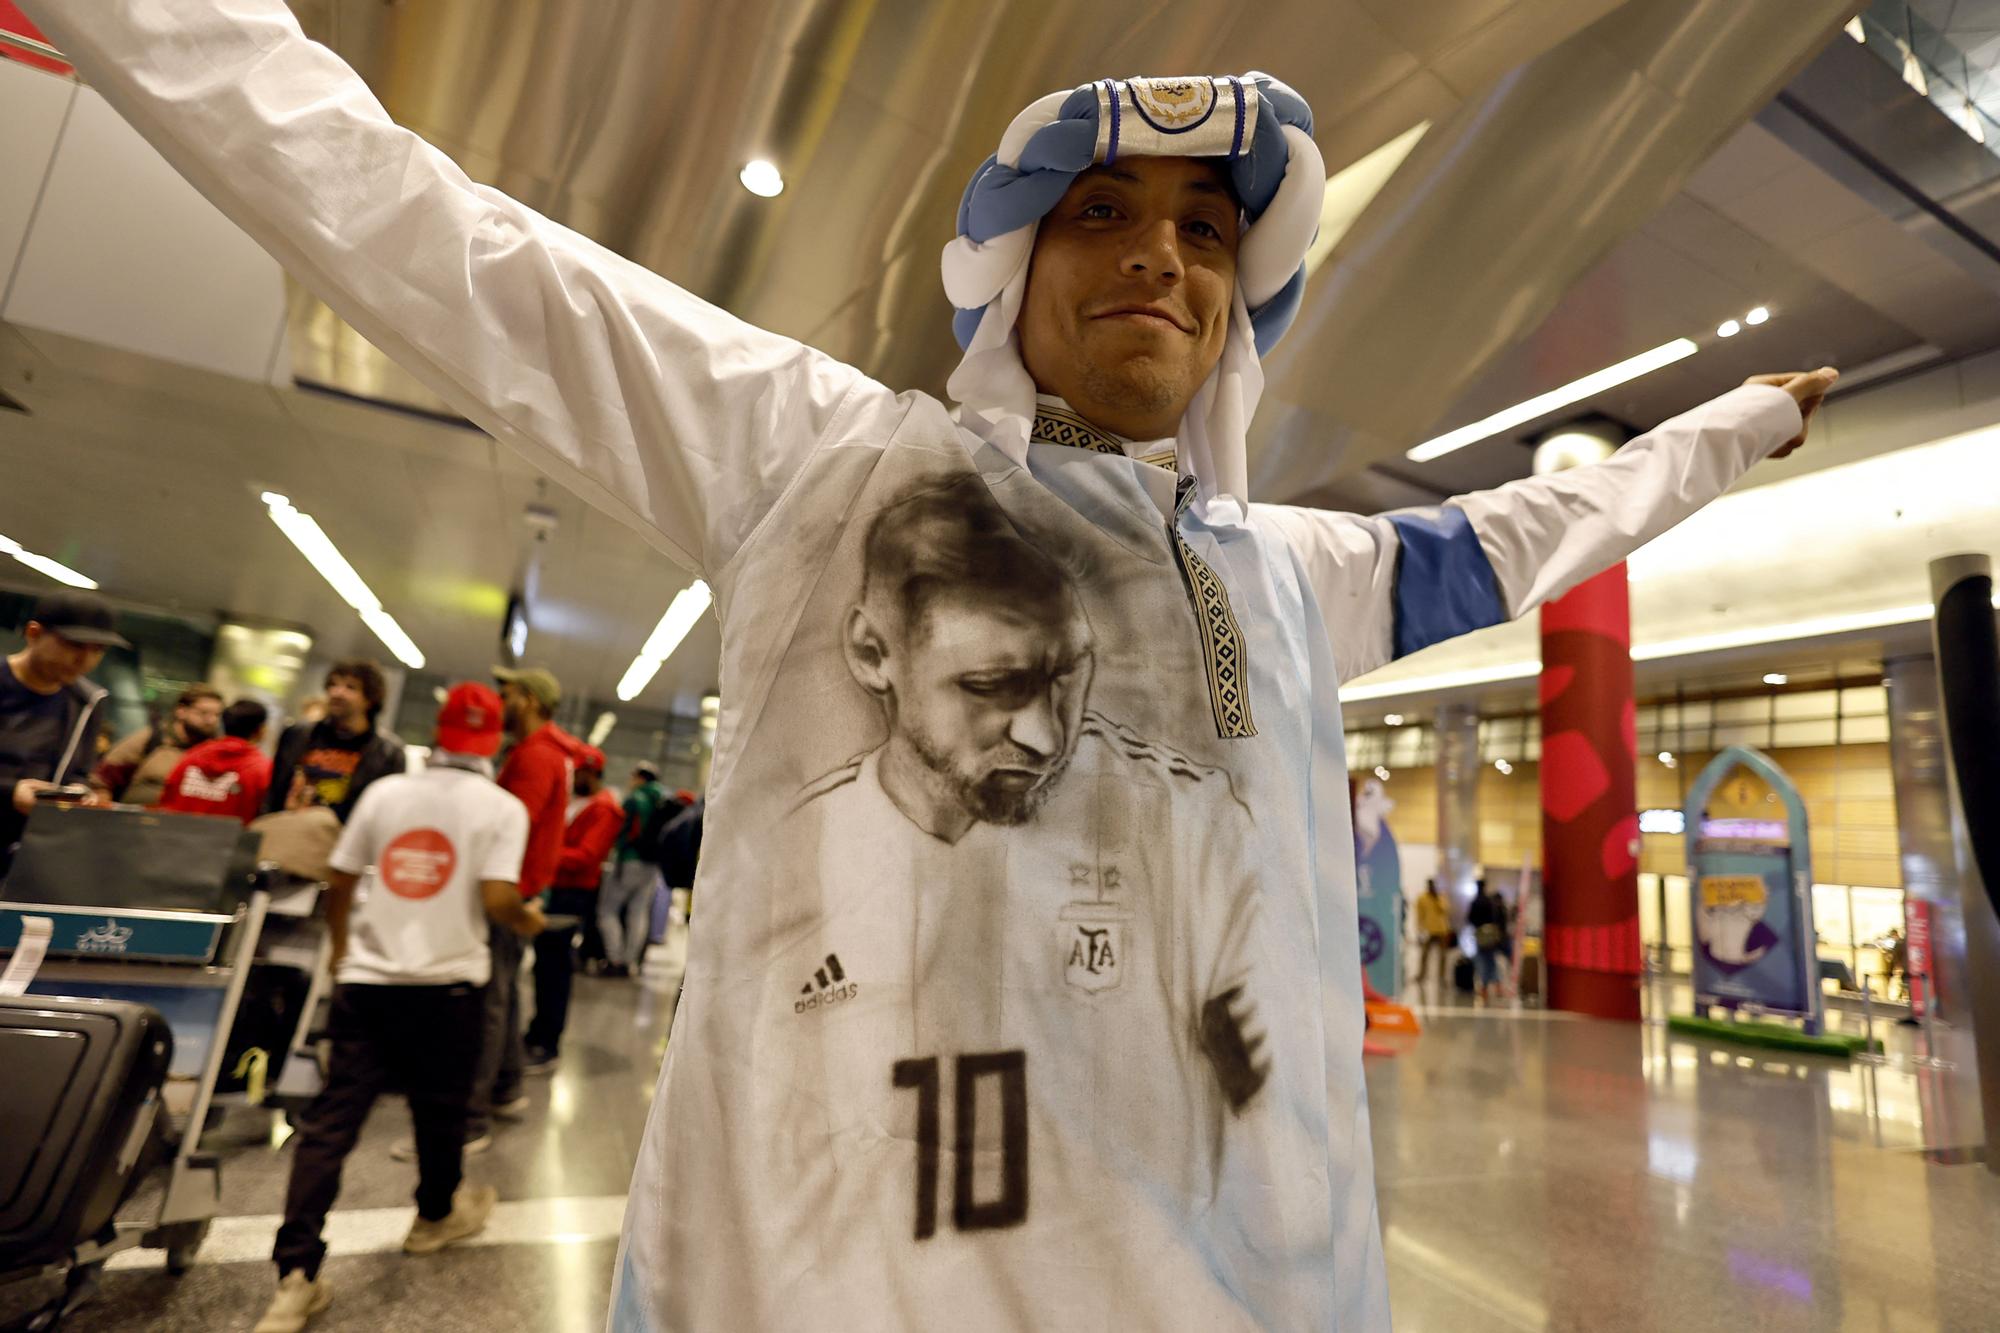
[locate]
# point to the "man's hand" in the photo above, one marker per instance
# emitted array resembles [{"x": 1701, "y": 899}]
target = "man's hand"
[
  {"x": 28, "y": 793},
  {"x": 1808, "y": 389},
  {"x": 25, "y": 792},
  {"x": 530, "y": 922}
]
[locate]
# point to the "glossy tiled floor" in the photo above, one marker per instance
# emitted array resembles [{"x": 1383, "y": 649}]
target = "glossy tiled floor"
[{"x": 1536, "y": 1172}]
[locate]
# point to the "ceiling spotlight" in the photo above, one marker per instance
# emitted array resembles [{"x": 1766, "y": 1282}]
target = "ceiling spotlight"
[
  {"x": 1729, "y": 329},
  {"x": 1392, "y": 719},
  {"x": 1968, "y": 120},
  {"x": 1913, "y": 72},
  {"x": 1757, "y": 316},
  {"x": 1856, "y": 31},
  {"x": 1504, "y": 767},
  {"x": 1775, "y": 678},
  {"x": 1381, "y": 772},
  {"x": 1667, "y": 758},
  {"x": 761, "y": 179}
]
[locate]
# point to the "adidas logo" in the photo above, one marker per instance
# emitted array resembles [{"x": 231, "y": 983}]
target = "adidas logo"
[{"x": 829, "y": 986}]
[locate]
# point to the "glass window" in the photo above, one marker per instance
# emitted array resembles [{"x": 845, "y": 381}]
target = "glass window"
[
  {"x": 1754, "y": 709},
  {"x": 1817, "y": 732},
  {"x": 1406, "y": 747},
  {"x": 1863, "y": 730},
  {"x": 1812, "y": 703},
  {"x": 1742, "y": 734},
  {"x": 1864, "y": 701}
]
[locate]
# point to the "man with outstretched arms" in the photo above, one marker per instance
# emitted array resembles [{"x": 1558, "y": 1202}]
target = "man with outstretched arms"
[{"x": 850, "y": 1160}]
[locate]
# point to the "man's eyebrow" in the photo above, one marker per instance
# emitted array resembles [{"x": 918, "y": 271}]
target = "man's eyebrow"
[{"x": 1110, "y": 173}]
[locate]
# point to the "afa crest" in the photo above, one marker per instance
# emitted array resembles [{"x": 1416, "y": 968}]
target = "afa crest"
[
  {"x": 1093, "y": 939},
  {"x": 1173, "y": 106}
]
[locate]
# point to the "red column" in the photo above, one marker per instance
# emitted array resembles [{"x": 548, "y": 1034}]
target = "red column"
[{"x": 1590, "y": 819}]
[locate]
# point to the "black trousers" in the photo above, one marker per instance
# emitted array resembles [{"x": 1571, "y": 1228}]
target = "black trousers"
[
  {"x": 555, "y": 967},
  {"x": 422, "y": 1039}
]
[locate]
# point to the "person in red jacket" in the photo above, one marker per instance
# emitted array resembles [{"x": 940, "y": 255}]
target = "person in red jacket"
[
  {"x": 228, "y": 775},
  {"x": 595, "y": 817},
  {"x": 537, "y": 771}
]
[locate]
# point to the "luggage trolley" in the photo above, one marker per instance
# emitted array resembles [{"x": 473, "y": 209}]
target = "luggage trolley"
[{"x": 188, "y": 963}]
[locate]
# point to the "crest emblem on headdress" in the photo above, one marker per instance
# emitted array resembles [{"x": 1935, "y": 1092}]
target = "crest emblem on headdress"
[{"x": 1173, "y": 106}]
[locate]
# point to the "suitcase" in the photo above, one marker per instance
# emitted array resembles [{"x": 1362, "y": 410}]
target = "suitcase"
[
  {"x": 79, "y": 1111},
  {"x": 1462, "y": 975}
]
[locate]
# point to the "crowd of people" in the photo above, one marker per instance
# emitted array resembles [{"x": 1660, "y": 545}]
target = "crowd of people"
[
  {"x": 1488, "y": 964},
  {"x": 437, "y": 878}
]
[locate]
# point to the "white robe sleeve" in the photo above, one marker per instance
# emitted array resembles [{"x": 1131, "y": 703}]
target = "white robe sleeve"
[
  {"x": 1391, "y": 585},
  {"x": 651, "y": 403}
]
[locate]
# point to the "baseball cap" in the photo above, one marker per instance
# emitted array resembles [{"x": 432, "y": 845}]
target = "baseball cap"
[
  {"x": 81, "y": 617},
  {"x": 538, "y": 681},
  {"x": 469, "y": 722},
  {"x": 592, "y": 758}
]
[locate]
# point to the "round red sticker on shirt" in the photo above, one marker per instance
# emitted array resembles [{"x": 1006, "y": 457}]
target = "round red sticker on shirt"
[{"x": 417, "y": 864}]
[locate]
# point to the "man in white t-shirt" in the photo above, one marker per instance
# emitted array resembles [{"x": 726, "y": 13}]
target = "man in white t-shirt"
[{"x": 440, "y": 853}]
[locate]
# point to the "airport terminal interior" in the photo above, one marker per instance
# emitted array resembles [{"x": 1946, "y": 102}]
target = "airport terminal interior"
[{"x": 1647, "y": 945}]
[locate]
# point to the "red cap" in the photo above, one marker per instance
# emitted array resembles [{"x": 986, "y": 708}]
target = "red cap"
[
  {"x": 470, "y": 721},
  {"x": 592, "y": 758}
]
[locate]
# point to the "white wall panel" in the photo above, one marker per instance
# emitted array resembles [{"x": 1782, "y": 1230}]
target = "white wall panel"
[
  {"x": 123, "y": 251},
  {"x": 31, "y": 111}
]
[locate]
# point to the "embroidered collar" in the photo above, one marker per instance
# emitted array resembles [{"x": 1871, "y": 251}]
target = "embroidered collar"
[{"x": 1056, "y": 422}]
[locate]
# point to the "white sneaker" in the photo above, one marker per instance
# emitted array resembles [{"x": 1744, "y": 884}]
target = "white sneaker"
[
  {"x": 470, "y": 1208},
  {"x": 298, "y": 1300},
  {"x": 405, "y": 1150}
]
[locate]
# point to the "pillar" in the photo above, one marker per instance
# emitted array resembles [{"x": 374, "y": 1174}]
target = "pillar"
[
  {"x": 1457, "y": 769},
  {"x": 1590, "y": 817},
  {"x": 1924, "y": 825},
  {"x": 1967, "y": 648}
]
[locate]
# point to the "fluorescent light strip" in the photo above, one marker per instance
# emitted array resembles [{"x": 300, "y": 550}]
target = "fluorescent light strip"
[
  {"x": 324, "y": 556},
  {"x": 1555, "y": 399},
  {"x": 681, "y": 614},
  {"x": 1751, "y": 637},
  {"x": 55, "y": 569},
  {"x": 601, "y": 728}
]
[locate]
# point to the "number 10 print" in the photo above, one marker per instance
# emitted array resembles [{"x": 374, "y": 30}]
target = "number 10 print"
[{"x": 967, "y": 1213}]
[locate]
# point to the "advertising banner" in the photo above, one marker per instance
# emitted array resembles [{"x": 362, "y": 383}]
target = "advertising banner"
[
  {"x": 1750, "y": 890},
  {"x": 1379, "y": 886},
  {"x": 1917, "y": 952}
]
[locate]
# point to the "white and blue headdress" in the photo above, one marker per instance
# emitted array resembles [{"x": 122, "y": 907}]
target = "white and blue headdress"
[{"x": 1260, "y": 127}]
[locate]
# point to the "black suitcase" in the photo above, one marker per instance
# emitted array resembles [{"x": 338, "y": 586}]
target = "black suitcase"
[
  {"x": 1461, "y": 976},
  {"x": 78, "y": 1111}
]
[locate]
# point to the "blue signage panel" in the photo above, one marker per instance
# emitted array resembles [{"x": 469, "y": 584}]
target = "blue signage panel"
[
  {"x": 1750, "y": 894},
  {"x": 180, "y": 937}
]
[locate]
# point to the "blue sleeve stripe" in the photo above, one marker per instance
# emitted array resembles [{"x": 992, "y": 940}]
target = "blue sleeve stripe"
[{"x": 1444, "y": 583}]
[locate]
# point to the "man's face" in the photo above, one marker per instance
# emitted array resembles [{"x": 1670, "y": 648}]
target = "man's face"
[
  {"x": 200, "y": 719},
  {"x": 990, "y": 697},
  {"x": 517, "y": 707},
  {"x": 1129, "y": 289},
  {"x": 345, "y": 703},
  {"x": 56, "y": 658},
  {"x": 585, "y": 781}
]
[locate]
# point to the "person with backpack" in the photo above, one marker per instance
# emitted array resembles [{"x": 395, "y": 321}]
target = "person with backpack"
[{"x": 625, "y": 899}]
